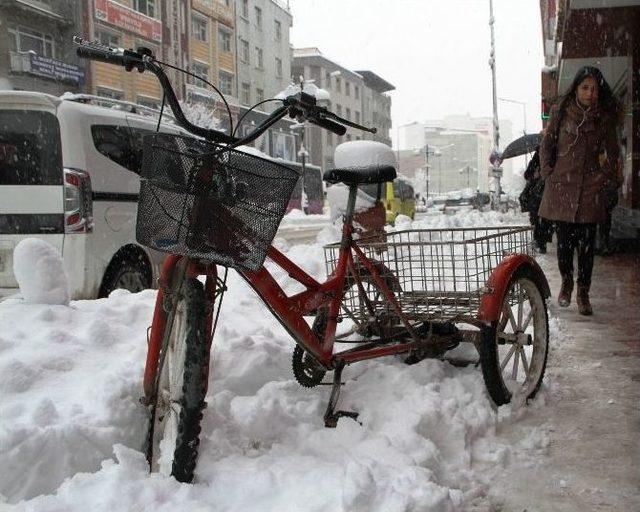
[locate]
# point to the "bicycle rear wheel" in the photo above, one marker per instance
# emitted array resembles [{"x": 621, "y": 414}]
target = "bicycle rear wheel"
[
  {"x": 176, "y": 411},
  {"x": 514, "y": 349}
]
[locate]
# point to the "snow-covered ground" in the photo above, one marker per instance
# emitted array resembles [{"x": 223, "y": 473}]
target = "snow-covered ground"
[{"x": 72, "y": 428}]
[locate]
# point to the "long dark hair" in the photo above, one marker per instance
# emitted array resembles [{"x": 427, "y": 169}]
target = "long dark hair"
[{"x": 608, "y": 103}]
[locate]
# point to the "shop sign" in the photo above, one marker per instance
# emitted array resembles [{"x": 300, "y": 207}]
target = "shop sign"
[
  {"x": 128, "y": 19},
  {"x": 55, "y": 69}
]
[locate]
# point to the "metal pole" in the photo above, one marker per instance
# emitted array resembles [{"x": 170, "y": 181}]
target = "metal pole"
[
  {"x": 426, "y": 150},
  {"x": 496, "y": 171}
]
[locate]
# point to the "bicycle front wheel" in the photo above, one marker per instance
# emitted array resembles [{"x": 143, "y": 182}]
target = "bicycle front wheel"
[{"x": 176, "y": 411}]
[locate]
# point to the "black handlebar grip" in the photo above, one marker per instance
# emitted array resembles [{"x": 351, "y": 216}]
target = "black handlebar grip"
[
  {"x": 327, "y": 124},
  {"x": 101, "y": 55}
]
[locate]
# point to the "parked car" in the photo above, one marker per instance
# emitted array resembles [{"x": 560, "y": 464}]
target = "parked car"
[
  {"x": 397, "y": 196},
  {"x": 68, "y": 175}
]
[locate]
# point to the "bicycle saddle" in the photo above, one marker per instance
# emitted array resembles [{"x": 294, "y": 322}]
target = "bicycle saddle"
[
  {"x": 362, "y": 161},
  {"x": 358, "y": 175}
]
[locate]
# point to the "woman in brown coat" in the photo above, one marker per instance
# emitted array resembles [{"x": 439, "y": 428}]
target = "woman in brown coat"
[{"x": 580, "y": 136}]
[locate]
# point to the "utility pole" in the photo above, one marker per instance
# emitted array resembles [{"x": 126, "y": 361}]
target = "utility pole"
[{"x": 496, "y": 169}]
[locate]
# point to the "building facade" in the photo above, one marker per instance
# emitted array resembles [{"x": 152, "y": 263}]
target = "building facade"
[
  {"x": 376, "y": 106},
  {"x": 263, "y": 61},
  {"x": 605, "y": 34},
  {"x": 36, "y": 49},
  {"x": 458, "y": 149},
  {"x": 350, "y": 97}
]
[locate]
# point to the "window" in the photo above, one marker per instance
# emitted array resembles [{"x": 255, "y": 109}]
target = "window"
[
  {"x": 278, "y": 68},
  {"x": 348, "y": 114},
  {"x": 259, "y": 95},
  {"x": 258, "y": 17},
  {"x": 199, "y": 28},
  {"x": 24, "y": 40},
  {"x": 260, "y": 61},
  {"x": 201, "y": 70},
  {"x": 149, "y": 102},
  {"x": 358, "y": 117},
  {"x": 338, "y": 84},
  {"x": 244, "y": 55},
  {"x": 278, "y": 27},
  {"x": 105, "y": 92},
  {"x": 225, "y": 82},
  {"x": 357, "y": 92},
  {"x": 108, "y": 38},
  {"x": 347, "y": 88},
  {"x": 349, "y": 137},
  {"x": 245, "y": 9},
  {"x": 30, "y": 152},
  {"x": 339, "y": 110},
  {"x": 224, "y": 38},
  {"x": 327, "y": 80},
  {"x": 284, "y": 146},
  {"x": 121, "y": 144},
  {"x": 147, "y": 7},
  {"x": 329, "y": 138},
  {"x": 246, "y": 94}
]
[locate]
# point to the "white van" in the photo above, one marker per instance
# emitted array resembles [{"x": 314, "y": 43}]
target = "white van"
[{"x": 68, "y": 175}]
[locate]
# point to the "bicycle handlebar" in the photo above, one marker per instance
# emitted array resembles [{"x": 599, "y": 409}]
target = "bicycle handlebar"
[{"x": 301, "y": 106}]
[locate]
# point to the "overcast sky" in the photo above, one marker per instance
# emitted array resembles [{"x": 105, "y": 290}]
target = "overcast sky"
[{"x": 435, "y": 52}]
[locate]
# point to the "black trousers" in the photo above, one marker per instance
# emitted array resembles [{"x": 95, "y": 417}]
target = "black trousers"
[{"x": 571, "y": 237}]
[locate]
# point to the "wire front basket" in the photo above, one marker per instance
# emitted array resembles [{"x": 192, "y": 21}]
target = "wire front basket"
[
  {"x": 437, "y": 274},
  {"x": 207, "y": 202}
]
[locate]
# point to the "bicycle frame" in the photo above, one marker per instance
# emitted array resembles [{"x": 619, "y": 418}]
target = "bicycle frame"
[{"x": 289, "y": 310}]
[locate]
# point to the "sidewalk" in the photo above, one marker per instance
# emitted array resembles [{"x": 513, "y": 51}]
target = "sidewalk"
[{"x": 592, "y": 409}]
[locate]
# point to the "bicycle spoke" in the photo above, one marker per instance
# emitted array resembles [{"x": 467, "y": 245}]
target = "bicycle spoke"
[
  {"x": 504, "y": 363},
  {"x": 525, "y": 364},
  {"x": 512, "y": 320},
  {"x": 520, "y": 307},
  {"x": 528, "y": 319},
  {"x": 516, "y": 360}
]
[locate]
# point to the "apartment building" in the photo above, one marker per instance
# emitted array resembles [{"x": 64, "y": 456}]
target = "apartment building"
[
  {"x": 263, "y": 60},
  {"x": 376, "y": 106},
  {"x": 36, "y": 49},
  {"x": 211, "y": 54},
  {"x": 459, "y": 147},
  {"x": 354, "y": 96}
]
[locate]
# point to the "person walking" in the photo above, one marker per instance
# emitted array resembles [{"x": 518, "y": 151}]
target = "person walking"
[{"x": 578, "y": 158}]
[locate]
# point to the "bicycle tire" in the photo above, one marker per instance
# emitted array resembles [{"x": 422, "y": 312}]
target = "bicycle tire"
[
  {"x": 490, "y": 358},
  {"x": 174, "y": 429}
]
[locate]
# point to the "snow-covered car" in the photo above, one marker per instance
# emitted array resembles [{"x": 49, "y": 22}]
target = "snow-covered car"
[{"x": 68, "y": 175}]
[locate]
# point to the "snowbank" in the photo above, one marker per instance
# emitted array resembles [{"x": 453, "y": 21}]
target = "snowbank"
[{"x": 72, "y": 428}]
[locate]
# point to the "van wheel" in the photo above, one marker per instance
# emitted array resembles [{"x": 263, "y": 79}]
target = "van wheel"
[{"x": 131, "y": 273}]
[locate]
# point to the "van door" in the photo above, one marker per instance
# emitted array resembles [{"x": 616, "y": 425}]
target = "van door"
[{"x": 31, "y": 182}]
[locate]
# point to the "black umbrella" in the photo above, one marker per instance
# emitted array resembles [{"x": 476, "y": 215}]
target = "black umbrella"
[{"x": 525, "y": 144}]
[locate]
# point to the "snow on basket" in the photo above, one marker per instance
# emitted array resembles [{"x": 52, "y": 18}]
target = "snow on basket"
[{"x": 38, "y": 269}]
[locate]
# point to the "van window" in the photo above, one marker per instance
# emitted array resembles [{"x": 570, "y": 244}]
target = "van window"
[
  {"x": 407, "y": 192},
  {"x": 122, "y": 144},
  {"x": 30, "y": 152},
  {"x": 371, "y": 189}
]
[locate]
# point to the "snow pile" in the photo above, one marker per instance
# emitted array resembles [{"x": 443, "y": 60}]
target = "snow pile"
[
  {"x": 309, "y": 88},
  {"x": 72, "y": 429},
  {"x": 37, "y": 267},
  {"x": 337, "y": 197},
  {"x": 361, "y": 153}
]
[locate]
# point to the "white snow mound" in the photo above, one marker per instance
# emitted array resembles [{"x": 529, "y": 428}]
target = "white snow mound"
[
  {"x": 38, "y": 268},
  {"x": 360, "y": 153}
]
